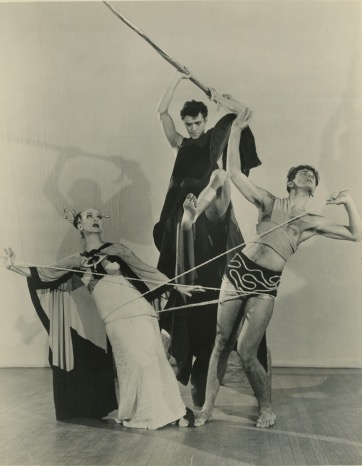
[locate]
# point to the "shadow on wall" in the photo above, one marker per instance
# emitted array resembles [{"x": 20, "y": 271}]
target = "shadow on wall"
[
  {"x": 341, "y": 137},
  {"x": 340, "y": 145},
  {"x": 114, "y": 185}
]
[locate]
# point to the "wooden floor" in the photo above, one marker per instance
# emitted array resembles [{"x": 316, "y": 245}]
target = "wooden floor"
[{"x": 319, "y": 421}]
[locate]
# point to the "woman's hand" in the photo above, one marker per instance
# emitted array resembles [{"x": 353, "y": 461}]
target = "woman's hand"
[
  {"x": 189, "y": 290},
  {"x": 9, "y": 261},
  {"x": 9, "y": 258}
]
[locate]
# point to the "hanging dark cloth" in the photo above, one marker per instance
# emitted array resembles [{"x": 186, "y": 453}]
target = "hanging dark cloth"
[{"x": 193, "y": 331}]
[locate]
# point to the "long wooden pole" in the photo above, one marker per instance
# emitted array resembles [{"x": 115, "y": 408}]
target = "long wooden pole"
[{"x": 163, "y": 54}]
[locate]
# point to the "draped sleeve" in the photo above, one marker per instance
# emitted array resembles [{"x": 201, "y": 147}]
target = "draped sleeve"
[
  {"x": 58, "y": 270},
  {"x": 151, "y": 276},
  {"x": 156, "y": 284}
]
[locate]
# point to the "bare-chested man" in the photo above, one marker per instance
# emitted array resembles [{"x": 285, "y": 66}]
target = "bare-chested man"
[
  {"x": 253, "y": 275},
  {"x": 184, "y": 245}
]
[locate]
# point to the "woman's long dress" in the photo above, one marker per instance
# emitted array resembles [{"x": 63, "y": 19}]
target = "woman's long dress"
[{"x": 148, "y": 390}]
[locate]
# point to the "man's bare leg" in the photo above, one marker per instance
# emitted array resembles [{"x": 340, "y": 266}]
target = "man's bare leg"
[
  {"x": 209, "y": 200},
  {"x": 228, "y": 320},
  {"x": 258, "y": 313}
]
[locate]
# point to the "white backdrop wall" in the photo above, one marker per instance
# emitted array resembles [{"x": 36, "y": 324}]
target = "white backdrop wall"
[{"x": 78, "y": 128}]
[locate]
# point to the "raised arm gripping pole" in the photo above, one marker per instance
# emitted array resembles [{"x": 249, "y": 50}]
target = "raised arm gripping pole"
[{"x": 163, "y": 54}]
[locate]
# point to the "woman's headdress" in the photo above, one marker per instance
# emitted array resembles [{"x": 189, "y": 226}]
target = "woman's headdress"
[
  {"x": 72, "y": 216},
  {"x": 72, "y": 213}
]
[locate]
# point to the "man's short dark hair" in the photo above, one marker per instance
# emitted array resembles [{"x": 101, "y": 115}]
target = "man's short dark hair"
[
  {"x": 294, "y": 170},
  {"x": 193, "y": 108}
]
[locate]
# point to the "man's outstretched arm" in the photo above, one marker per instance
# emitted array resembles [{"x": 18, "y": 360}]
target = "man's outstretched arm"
[
  {"x": 351, "y": 232},
  {"x": 173, "y": 137},
  {"x": 248, "y": 189}
]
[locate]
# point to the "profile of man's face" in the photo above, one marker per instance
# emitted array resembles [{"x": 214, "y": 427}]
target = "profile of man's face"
[{"x": 195, "y": 126}]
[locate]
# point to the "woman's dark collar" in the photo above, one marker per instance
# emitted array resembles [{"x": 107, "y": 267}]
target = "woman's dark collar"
[{"x": 92, "y": 252}]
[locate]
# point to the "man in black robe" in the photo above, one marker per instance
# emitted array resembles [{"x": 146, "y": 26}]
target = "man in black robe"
[{"x": 184, "y": 244}]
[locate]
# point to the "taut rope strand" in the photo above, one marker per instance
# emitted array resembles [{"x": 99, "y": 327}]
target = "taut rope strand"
[
  {"x": 184, "y": 273},
  {"x": 230, "y": 250}
]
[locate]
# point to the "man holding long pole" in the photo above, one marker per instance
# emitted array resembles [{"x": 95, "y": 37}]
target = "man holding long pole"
[{"x": 187, "y": 237}]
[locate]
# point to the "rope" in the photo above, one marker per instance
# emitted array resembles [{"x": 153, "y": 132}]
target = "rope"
[
  {"x": 182, "y": 274},
  {"x": 237, "y": 295},
  {"x": 99, "y": 274},
  {"x": 230, "y": 250}
]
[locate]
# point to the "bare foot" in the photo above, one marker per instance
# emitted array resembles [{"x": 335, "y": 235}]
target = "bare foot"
[
  {"x": 190, "y": 212},
  {"x": 202, "y": 418},
  {"x": 266, "y": 419}
]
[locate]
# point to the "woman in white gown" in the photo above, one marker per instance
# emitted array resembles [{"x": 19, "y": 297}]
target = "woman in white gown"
[{"x": 149, "y": 396}]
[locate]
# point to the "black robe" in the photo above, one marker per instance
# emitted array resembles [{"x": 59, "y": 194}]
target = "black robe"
[{"x": 193, "y": 330}]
